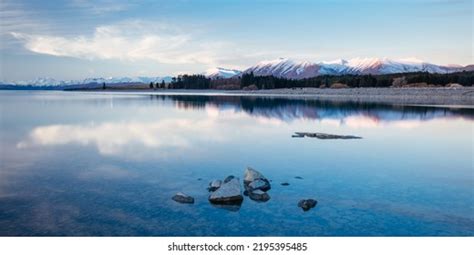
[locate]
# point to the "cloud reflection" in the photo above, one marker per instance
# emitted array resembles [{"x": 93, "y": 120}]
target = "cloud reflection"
[{"x": 113, "y": 138}]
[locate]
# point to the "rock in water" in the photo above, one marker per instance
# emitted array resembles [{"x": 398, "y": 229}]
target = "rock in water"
[
  {"x": 307, "y": 204},
  {"x": 214, "y": 185},
  {"x": 228, "y": 178},
  {"x": 324, "y": 136},
  {"x": 183, "y": 198},
  {"x": 258, "y": 184},
  {"x": 299, "y": 135},
  {"x": 252, "y": 175},
  {"x": 259, "y": 196},
  {"x": 228, "y": 193}
]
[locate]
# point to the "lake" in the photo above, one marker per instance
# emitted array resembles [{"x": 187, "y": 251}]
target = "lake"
[{"x": 107, "y": 164}]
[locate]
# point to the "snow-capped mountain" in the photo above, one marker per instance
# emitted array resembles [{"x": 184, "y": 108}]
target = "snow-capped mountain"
[
  {"x": 46, "y": 82},
  {"x": 281, "y": 67},
  {"x": 220, "y": 72},
  {"x": 292, "y": 69}
]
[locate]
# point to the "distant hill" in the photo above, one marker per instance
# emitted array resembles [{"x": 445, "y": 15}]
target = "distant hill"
[{"x": 89, "y": 83}]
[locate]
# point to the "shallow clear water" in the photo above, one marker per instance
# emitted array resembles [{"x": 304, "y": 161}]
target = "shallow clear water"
[{"x": 77, "y": 163}]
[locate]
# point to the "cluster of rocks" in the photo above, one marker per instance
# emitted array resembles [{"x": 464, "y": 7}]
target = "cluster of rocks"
[
  {"x": 256, "y": 185},
  {"x": 323, "y": 136},
  {"x": 227, "y": 194}
]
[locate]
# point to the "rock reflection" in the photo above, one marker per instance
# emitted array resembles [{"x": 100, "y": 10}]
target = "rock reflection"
[{"x": 228, "y": 207}]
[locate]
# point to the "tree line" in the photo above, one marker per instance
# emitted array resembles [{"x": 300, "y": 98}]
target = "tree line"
[
  {"x": 465, "y": 78},
  {"x": 355, "y": 81}
]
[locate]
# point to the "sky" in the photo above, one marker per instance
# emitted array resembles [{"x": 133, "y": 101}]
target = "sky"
[{"x": 77, "y": 39}]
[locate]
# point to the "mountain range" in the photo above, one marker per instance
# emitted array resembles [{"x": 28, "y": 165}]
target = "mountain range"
[
  {"x": 88, "y": 82},
  {"x": 281, "y": 67},
  {"x": 292, "y": 69}
]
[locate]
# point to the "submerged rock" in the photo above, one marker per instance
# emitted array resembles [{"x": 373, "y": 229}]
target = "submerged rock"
[
  {"x": 258, "y": 184},
  {"x": 255, "y": 180},
  {"x": 307, "y": 204},
  {"x": 324, "y": 136},
  {"x": 183, "y": 198},
  {"x": 227, "y": 193},
  {"x": 259, "y": 196},
  {"x": 214, "y": 185},
  {"x": 228, "y": 178}
]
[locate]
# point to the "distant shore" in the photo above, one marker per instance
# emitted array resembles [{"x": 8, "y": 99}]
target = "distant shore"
[{"x": 426, "y": 96}]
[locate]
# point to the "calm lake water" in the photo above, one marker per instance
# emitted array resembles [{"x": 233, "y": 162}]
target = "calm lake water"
[{"x": 74, "y": 163}]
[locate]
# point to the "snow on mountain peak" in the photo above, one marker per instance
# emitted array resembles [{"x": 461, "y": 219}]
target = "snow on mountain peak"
[
  {"x": 335, "y": 62},
  {"x": 288, "y": 68},
  {"x": 45, "y": 81},
  {"x": 220, "y": 72}
]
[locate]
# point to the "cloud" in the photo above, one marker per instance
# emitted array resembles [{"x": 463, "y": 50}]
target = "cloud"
[
  {"x": 16, "y": 17},
  {"x": 129, "y": 41}
]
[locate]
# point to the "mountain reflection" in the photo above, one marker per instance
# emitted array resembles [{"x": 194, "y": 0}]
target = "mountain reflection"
[
  {"x": 286, "y": 109},
  {"x": 221, "y": 120}
]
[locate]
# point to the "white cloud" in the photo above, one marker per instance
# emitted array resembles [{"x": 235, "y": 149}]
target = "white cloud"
[
  {"x": 14, "y": 16},
  {"x": 129, "y": 41}
]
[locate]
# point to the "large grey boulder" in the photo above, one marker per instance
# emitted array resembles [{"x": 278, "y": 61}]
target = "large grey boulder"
[
  {"x": 228, "y": 193},
  {"x": 183, "y": 198}
]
